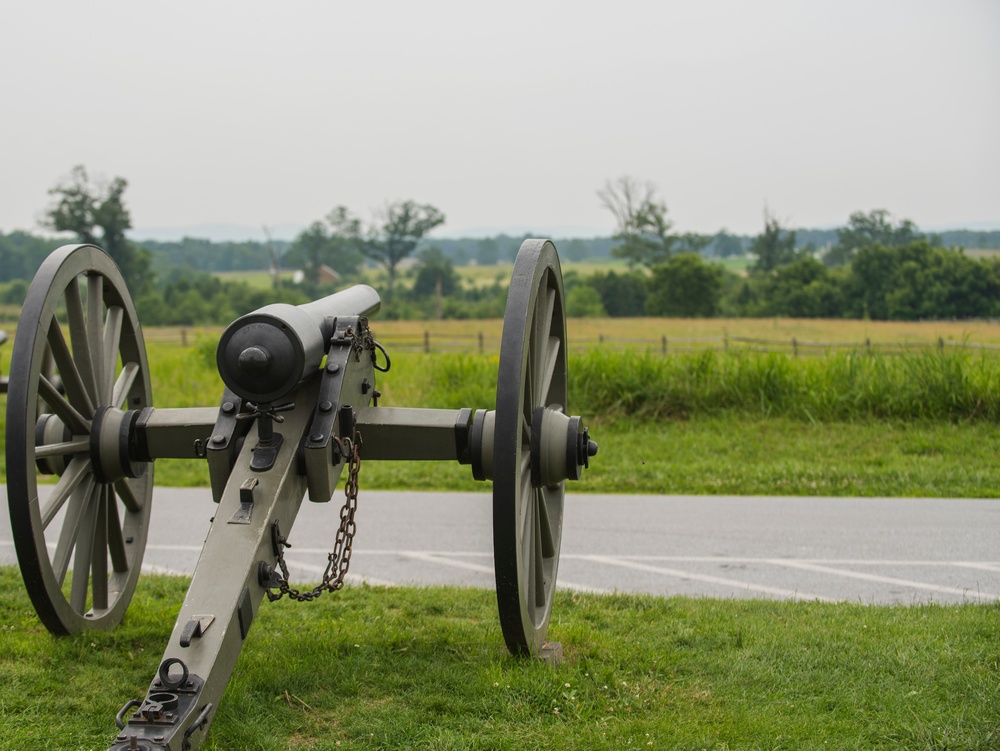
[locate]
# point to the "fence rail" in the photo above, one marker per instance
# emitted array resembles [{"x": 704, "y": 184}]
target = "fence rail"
[{"x": 486, "y": 343}]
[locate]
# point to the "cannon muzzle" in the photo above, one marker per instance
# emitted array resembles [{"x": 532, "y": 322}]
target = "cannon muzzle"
[{"x": 263, "y": 356}]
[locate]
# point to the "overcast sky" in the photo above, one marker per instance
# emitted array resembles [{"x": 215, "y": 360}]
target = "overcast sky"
[{"x": 506, "y": 116}]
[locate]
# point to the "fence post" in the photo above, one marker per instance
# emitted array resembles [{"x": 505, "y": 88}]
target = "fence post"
[
  {"x": 427, "y": 342},
  {"x": 664, "y": 344},
  {"x": 940, "y": 344},
  {"x": 868, "y": 345},
  {"x": 600, "y": 338},
  {"x": 184, "y": 338},
  {"x": 795, "y": 347},
  {"x": 481, "y": 342}
]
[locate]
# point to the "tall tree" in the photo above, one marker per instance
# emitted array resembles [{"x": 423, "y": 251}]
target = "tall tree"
[
  {"x": 774, "y": 246},
  {"x": 685, "y": 287},
  {"x": 97, "y": 214},
  {"x": 867, "y": 230},
  {"x": 642, "y": 228},
  {"x": 399, "y": 228},
  {"x": 336, "y": 243}
]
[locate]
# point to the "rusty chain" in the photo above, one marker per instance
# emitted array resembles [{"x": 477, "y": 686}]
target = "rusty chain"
[{"x": 339, "y": 559}]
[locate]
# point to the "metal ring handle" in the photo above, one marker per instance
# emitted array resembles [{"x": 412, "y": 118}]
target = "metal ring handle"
[
  {"x": 120, "y": 717},
  {"x": 388, "y": 362},
  {"x": 164, "y": 672}
]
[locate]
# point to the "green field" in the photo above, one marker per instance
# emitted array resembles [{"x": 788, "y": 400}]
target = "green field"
[
  {"x": 403, "y": 668},
  {"x": 920, "y": 424}
]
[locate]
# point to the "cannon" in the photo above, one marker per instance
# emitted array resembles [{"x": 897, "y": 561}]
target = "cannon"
[{"x": 299, "y": 406}]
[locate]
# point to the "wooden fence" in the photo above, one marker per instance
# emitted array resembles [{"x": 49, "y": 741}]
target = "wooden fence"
[{"x": 487, "y": 343}]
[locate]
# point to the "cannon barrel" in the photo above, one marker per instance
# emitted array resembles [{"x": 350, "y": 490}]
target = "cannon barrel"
[{"x": 263, "y": 356}]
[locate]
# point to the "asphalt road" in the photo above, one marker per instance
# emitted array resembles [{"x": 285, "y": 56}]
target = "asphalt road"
[{"x": 868, "y": 550}]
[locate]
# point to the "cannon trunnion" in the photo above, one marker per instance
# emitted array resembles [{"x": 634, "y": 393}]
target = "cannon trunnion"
[{"x": 298, "y": 409}]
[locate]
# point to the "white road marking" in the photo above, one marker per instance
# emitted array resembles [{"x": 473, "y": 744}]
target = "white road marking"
[
  {"x": 455, "y": 559},
  {"x": 445, "y": 559},
  {"x": 927, "y": 586},
  {"x": 681, "y": 574}
]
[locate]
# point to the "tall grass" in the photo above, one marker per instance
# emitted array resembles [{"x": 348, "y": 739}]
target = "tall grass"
[
  {"x": 949, "y": 385},
  {"x": 928, "y": 385}
]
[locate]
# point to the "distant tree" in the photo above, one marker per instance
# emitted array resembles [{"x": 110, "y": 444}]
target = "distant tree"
[
  {"x": 686, "y": 287},
  {"x": 96, "y": 213},
  {"x": 583, "y": 301},
  {"x": 395, "y": 234},
  {"x": 336, "y": 244},
  {"x": 21, "y": 254},
  {"x": 435, "y": 273},
  {"x": 622, "y": 295},
  {"x": 487, "y": 252},
  {"x": 774, "y": 246},
  {"x": 803, "y": 288},
  {"x": 692, "y": 242},
  {"x": 642, "y": 229},
  {"x": 921, "y": 281},
  {"x": 867, "y": 230},
  {"x": 725, "y": 245},
  {"x": 575, "y": 249},
  {"x": 870, "y": 282}
]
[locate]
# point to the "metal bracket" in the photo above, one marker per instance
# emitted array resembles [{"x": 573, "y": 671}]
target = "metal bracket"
[
  {"x": 341, "y": 347},
  {"x": 243, "y": 514},
  {"x": 194, "y": 629},
  {"x": 225, "y": 442},
  {"x": 319, "y": 456},
  {"x": 168, "y": 702}
]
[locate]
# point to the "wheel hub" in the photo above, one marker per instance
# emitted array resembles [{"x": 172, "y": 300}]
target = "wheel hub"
[{"x": 109, "y": 445}]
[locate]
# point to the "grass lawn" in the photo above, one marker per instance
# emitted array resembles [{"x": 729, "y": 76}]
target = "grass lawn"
[{"x": 403, "y": 668}]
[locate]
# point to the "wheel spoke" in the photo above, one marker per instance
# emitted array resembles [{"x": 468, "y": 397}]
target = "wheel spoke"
[
  {"x": 68, "y": 372},
  {"x": 124, "y": 384},
  {"x": 540, "y": 339},
  {"x": 95, "y": 331},
  {"x": 537, "y": 557},
  {"x": 84, "y": 553},
  {"x": 128, "y": 496},
  {"x": 71, "y": 528},
  {"x": 116, "y": 540},
  {"x": 527, "y": 537},
  {"x": 524, "y": 490},
  {"x": 61, "y": 449},
  {"x": 548, "y": 545},
  {"x": 79, "y": 337},
  {"x": 76, "y": 472},
  {"x": 58, "y": 404},
  {"x": 550, "y": 358},
  {"x": 99, "y": 564},
  {"x": 112, "y": 340}
]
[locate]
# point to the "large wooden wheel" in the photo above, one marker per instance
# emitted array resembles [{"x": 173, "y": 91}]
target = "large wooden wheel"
[
  {"x": 80, "y": 549},
  {"x": 527, "y": 516}
]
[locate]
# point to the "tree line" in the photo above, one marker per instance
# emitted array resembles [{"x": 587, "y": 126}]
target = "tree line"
[{"x": 873, "y": 267}]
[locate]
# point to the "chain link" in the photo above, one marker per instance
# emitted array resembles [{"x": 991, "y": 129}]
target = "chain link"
[{"x": 339, "y": 560}]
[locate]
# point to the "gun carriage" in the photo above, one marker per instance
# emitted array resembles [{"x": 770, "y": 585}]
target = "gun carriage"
[{"x": 299, "y": 407}]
